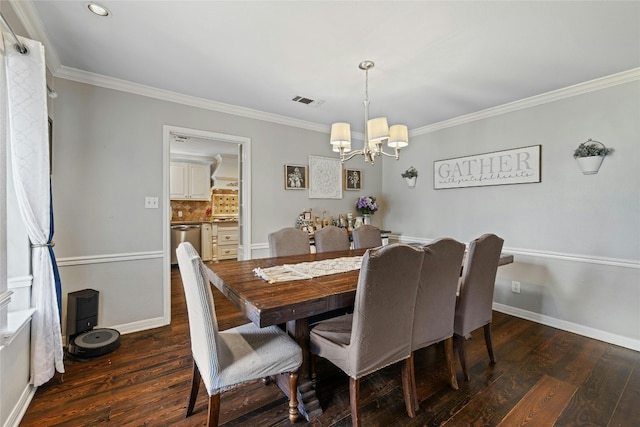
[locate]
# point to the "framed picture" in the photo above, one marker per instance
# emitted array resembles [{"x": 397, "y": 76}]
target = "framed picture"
[
  {"x": 295, "y": 177},
  {"x": 352, "y": 179},
  {"x": 515, "y": 166},
  {"x": 325, "y": 178}
]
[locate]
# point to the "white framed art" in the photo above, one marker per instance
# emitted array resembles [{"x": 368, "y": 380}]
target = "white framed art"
[{"x": 325, "y": 178}]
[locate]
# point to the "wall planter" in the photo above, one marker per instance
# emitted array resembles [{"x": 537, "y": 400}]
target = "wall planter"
[
  {"x": 590, "y": 155},
  {"x": 410, "y": 176}
]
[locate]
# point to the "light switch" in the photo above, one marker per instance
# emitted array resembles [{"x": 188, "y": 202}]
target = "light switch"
[{"x": 151, "y": 202}]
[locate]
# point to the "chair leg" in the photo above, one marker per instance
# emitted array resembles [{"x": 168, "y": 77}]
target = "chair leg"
[
  {"x": 214, "y": 410},
  {"x": 448, "y": 355},
  {"x": 293, "y": 400},
  {"x": 195, "y": 384},
  {"x": 409, "y": 386},
  {"x": 487, "y": 341},
  {"x": 354, "y": 397},
  {"x": 463, "y": 363}
]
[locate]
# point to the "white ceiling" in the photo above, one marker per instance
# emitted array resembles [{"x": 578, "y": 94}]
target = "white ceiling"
[{"x": 435, "y": 60}]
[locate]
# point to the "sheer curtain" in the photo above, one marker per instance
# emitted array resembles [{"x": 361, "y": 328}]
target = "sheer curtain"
[{"x": 28, "y": 138}]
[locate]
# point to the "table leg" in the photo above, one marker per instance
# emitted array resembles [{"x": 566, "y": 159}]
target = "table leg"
[{"x": 308, "y": 403}]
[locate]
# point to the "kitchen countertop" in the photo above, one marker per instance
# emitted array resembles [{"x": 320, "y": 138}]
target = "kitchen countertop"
[{"x": 207, "y": 221}]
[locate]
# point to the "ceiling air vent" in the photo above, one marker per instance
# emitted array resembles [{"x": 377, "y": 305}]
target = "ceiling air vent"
[{"x": 307, "y": 101}]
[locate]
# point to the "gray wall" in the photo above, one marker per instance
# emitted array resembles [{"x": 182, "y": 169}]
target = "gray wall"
[
  {"x": 108, "y": 155},
  {"x": 576, "y": 237}
]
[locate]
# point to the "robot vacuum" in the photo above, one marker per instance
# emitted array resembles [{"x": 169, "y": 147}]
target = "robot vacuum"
[{"x": 93, "y": 343}]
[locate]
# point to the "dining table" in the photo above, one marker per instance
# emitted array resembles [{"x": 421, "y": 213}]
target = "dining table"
[{"x": 292, "y": 304}]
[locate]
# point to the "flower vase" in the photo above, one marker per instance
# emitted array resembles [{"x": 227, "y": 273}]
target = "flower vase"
[
  {"x": 367, "y": 219},
  {"x": 358, "y": 222}
]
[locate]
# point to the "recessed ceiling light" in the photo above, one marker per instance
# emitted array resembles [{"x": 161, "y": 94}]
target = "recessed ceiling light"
[{"x": 98, "y": 10}]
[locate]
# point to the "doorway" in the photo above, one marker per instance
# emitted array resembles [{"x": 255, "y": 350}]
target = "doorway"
[{"x": 242, "y": 146}]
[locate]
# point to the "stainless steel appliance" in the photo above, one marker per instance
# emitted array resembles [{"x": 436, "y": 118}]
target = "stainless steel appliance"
[{"x": 184, "y": 233}]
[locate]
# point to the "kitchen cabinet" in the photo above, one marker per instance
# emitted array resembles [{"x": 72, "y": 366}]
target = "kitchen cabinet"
[
  {"x": 189, "y": 181},
  {"x": 206, "y": 251},
  {"x": 225, "y": 241}
]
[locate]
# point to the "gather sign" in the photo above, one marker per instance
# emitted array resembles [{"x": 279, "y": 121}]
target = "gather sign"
[{"x": 515, "y": 166}]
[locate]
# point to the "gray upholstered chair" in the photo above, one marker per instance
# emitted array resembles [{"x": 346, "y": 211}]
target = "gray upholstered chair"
[
  {"x": 331, "y": 238},
  {"x": 436, "y": 301},
  {"x": 288, "y": 241},
  {"x": 378, "y": 332},
  {"x": 474, "y": 305},
  {"x": 226, "y": 359},
  {"x": 366, "y": 236}
]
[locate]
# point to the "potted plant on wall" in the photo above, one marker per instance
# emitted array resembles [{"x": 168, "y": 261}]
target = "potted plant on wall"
[
  {"x": 410, "y": 176},
  {"x": 590, "y": 155}
]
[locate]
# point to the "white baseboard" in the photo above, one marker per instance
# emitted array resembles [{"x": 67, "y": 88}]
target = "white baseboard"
[
  {"x": 564, "y": 325},
  {"x": 21, "y": 407},
  {"x": 142, "y": 325}
]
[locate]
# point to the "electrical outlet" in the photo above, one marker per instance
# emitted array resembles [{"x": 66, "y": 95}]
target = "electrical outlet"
[
  {"x": 179, "y": 214},
  {"x": 151, "y": 202},
  {"x": 515, "y": 287}
]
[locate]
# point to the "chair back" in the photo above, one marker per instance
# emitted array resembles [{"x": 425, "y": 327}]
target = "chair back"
[
  {"x": 331, "y": 238},
  {"x": 478, "y": 281},
  {"x": 436, "y": 297},
  {"x": 383, "y": 308},
  {"x": 288, "y": 241},
  {"x": 203, "y": 325},
  {"x": 366, "y": 236}
]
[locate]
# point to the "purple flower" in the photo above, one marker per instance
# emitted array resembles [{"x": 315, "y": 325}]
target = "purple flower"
[{"x": 366, "y": 205}]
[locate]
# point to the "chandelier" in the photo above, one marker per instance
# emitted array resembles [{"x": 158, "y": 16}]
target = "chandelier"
[{"x": 376, "y": 131}]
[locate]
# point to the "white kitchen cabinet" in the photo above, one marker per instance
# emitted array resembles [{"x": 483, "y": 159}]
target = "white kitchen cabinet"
[
  {"x": 206, "y": 248},
  {"x": 225, "y": 241},
  {"x": 189, "y": 181}
]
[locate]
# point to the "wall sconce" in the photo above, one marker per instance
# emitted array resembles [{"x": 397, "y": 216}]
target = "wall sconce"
[{"x": 590, "y": 155}]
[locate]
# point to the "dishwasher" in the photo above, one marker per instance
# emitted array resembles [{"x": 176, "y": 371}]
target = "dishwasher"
[{"x": 184, "y": 233}]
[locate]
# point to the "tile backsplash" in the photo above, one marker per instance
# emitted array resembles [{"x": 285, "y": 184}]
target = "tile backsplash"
[{"x": 191, "y": 210}]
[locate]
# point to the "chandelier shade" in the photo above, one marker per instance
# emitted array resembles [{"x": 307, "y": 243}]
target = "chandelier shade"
[
  {"x": 398, "y": 136},
  {"x": 377, "y": 131},
  {"x": 341, "y": 137}
]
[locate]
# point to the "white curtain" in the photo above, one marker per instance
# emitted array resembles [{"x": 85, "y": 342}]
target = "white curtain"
[{"x": 29, "y": 142}]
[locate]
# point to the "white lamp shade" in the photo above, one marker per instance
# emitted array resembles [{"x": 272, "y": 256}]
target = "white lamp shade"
[
  {"x": 341, "y": 136},
  {"x": 398, "y": 136},
  {"x": 377, "y": 130}
]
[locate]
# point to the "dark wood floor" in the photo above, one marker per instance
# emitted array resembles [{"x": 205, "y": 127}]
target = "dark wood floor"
[{"x": 544, "y": 377}]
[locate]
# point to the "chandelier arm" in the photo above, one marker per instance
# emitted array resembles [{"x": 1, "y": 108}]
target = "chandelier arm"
[
  {"x": 396, "y": 154},
  {"x": 351, "y": 155}
]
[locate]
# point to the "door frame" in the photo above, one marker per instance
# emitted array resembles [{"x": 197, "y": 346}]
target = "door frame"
[{"x": 244, "y": 226}]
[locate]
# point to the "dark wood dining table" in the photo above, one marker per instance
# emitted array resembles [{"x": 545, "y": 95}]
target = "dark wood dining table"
[{"x": 291, "y": 303}]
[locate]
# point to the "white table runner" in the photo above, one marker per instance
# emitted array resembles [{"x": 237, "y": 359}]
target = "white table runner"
[{"x": 308, "y": 270}]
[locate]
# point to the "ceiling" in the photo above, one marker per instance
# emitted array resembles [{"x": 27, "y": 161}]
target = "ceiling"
[{"x": 435, "y": 60}]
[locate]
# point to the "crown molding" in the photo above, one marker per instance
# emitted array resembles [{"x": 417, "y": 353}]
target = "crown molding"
[
  {"x": 193, "y": 101},
  {"x": 545, "y": 98}
]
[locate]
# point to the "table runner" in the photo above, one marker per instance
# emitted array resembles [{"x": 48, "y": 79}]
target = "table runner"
[{"x": 308, "y": 270}]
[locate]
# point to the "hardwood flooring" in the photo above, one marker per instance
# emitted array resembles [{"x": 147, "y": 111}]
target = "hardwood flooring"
[{"x": 543, "y": 377}]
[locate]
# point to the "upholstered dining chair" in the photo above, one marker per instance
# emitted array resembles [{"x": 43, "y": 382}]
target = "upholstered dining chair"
[
  {"x": 289, "y": 241},
  {"x": 436, "y": 302},
  {"x": 475, "y": 300},
  {"x": 331, "y": 238},
  {"x": 366, "y": 236},
  {"x": 226, "y": 359},
  {"x": 378, "y": 332}
]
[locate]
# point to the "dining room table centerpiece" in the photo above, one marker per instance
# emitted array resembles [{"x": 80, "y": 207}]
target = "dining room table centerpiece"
[{"x": 367, "y": 206}]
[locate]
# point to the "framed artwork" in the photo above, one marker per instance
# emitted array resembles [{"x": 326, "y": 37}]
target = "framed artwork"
[
  {"x": 325, "y": 178},
  {"x": 295, "y": 177},
  {"x": 352, "y": 179},
  {"x": 515, "y": 166}
]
